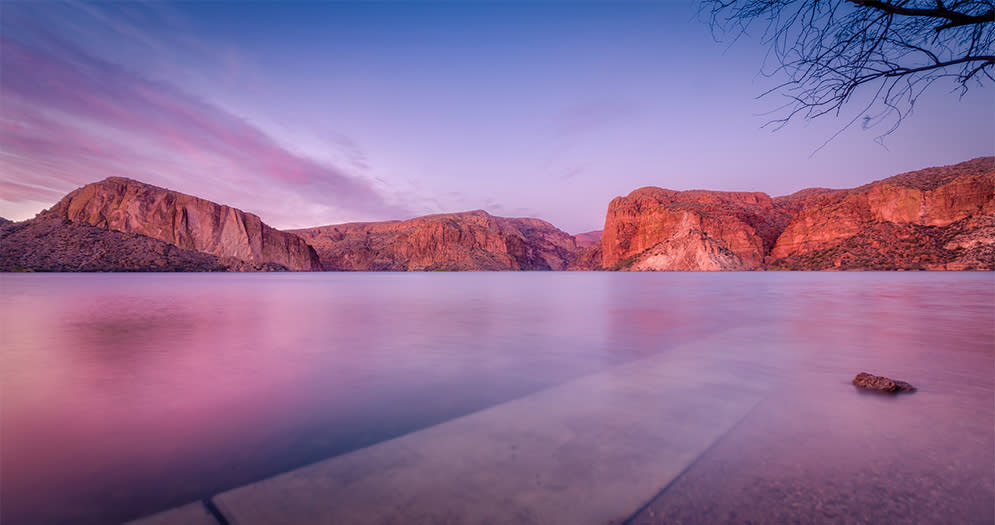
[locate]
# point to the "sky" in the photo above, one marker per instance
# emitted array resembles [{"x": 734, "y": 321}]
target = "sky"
[{"x": 309, "y": 113}]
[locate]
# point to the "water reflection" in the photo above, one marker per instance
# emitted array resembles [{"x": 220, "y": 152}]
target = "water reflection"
[{"x": 125, "y": 394}]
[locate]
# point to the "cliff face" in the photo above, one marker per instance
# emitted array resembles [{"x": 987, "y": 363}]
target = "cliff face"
[
  {"x": 60, "y": 245},
  {"x": 466, "y": 241},
  {"x": 587, "y": 239},
  {"x": 657, "y": 229},
  {"x": 936, "y": 218},
  {"x": 184, "y": 221}
]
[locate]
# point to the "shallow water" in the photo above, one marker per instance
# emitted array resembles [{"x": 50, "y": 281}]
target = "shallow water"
[{"x": 124, "y": 394}]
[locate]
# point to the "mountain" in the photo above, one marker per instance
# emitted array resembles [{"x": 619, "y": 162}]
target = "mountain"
[
  {"x": 587, "y": 239},
  {"x": 658, "y": 229},
  {"x": 186, "y": 222},
  {"x": 60, "y": 245},
  {"x": 467, "y": 241},
  {"x": 936, "y": 218},
  {"x": 932, "y": 219}
]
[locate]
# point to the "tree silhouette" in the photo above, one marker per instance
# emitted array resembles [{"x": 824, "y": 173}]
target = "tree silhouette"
[{"x": 823, "y": 51}]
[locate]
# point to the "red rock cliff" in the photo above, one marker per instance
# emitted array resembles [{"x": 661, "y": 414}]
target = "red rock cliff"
[
  {"x": 472, "y": 240},
  {"x": 936, "y": 218},
  {"x": 184, "y": 221},
  {"x": 658, "y": 229}
]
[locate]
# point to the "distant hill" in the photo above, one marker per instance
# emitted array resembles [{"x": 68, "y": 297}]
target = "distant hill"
[
  {"x": 587, "y": 239},
  {"x": 473, "y": 240}
]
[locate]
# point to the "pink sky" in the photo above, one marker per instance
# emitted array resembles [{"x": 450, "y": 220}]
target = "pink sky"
[{"x": 319, "y": 113}]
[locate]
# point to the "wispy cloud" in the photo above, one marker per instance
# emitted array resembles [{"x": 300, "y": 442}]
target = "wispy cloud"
[
  {"x": 68, "y": 118},
  {"x": 593, "y": 115}
]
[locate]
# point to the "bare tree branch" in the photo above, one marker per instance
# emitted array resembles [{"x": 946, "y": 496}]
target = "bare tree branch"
[
  {"x": 956, "y": 18},
  {"x": 824, "y": 53}
]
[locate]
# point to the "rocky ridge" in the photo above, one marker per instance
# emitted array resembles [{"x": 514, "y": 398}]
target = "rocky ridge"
[
  {"x": 468, "y": 241},
  {"x": 658, "y": 229},
  {"x": 52, "y": 244},
  {"x": 60, "y": 245},
  {"x": 184, "y": 221},
  {"x": 933, "y": 219}
]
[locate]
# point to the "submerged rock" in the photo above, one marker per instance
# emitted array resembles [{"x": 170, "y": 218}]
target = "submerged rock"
[{"x": 881, "y": 384}]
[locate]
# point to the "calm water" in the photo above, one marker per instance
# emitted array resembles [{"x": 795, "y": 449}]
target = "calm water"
[{"x": 130, "y": 393}]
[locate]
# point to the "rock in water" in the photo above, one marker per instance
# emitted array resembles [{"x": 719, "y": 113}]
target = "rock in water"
[{"x": 881, "y": 384}]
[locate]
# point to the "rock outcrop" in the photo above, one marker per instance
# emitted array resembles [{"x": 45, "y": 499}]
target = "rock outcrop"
[
  {"x": 587, "y": 239},
  {"x": 59, "y": 245},
  {"x": 186, "y": 222},
  {"x": 466, "y": 241},
  {"x": 881, "y": 384},
  {"x": 931, "y": 219},
  {"x": 53, "y": 244},
  {"x": 587, "y": 258},
  {"x": 658, "y": 229}
]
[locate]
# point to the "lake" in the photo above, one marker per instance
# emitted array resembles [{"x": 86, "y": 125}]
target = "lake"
[{"x": 127, "y": 394}]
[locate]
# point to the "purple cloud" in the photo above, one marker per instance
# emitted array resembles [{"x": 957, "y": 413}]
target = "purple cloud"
[{"x": 68, "y": 118}]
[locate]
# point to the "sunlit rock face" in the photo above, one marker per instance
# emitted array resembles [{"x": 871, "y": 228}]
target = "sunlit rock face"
[
  {"x": 936, "y": 218},
  {"x": 184, "y": 221},
  {"x": 658, "y": 229},
  {"x": 466, "y": 241},
  {"x": 587, "y": 239},
  {"x": 588, "y": 258},
  {"x": 55, "y": 244}
]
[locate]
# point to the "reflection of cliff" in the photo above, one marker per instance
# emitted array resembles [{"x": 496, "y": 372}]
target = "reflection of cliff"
[
  {"x": 937, "y": 218},
  {"x": 472, "y": 240}
]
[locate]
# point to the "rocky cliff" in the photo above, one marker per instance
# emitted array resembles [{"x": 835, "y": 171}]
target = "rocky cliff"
[
  {"x": 657, "y": 229},
  {"x": 54, "y": 244},
  {"x": 184, "y": 221},
  {"x": 60, "y": 245},
  {"x": 587, "y": 239},
  {"x": 937, "y": 218},
  {"x": 465, "y": 241}
]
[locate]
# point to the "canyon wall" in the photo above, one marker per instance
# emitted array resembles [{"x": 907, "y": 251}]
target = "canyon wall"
[
  {"x": 658, "y": 229},
  {"x": 936, "y": 218},
  {"x": 466, "y": 241},
  {"x": 932, "y": 219},
  {"x": 184, "y": 221}
]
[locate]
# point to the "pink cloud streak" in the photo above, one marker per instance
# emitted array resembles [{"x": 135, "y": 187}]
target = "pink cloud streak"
[{"x": 68, "y": 118}]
